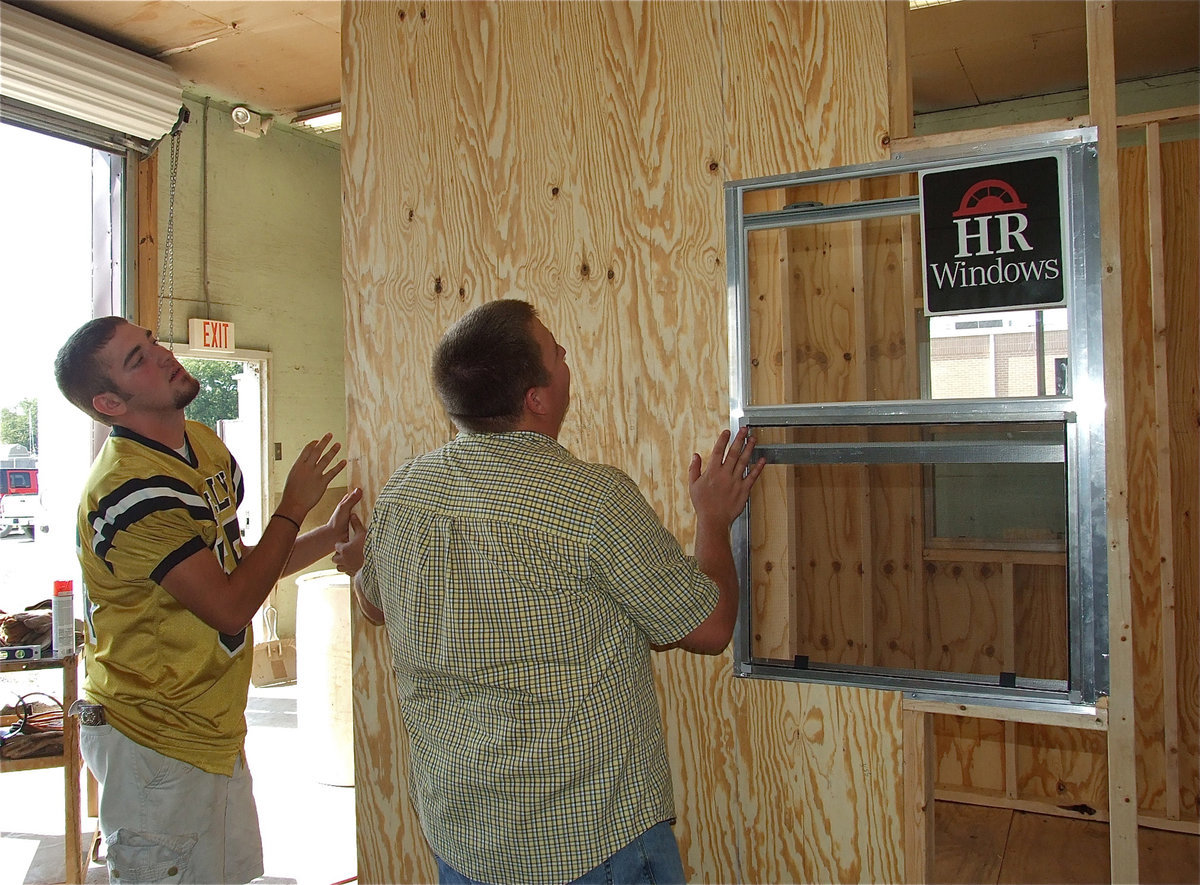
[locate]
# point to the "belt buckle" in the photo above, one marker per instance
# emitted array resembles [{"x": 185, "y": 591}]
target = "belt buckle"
[{"x": 89, "y": 714}]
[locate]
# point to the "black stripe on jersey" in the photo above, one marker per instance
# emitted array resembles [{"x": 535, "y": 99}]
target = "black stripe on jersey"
[
  {"x": 239, "y": 484},
  {"x": 233, "y": 642},
  {"x": 138, "y": 498},
  {"x": 195, "y": 545}
]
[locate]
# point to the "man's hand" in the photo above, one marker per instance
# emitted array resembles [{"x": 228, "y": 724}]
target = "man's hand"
[
  {"x": 348, "y": 557},
  {"x": 720, "y": 493},
  {"x": 348, "y": 554},
  {"x": 309, "y": 478},
  {"x": 341, "y": 522}
]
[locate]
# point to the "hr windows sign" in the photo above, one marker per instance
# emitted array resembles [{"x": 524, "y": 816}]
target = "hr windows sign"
[{"x": 992, "y": 237}]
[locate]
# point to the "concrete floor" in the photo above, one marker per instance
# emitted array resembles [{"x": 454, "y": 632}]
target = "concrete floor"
[{"x": 308, "y": 827}]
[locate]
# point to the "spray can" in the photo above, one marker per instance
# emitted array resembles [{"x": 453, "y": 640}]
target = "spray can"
[{"x": 63, "y": 618}]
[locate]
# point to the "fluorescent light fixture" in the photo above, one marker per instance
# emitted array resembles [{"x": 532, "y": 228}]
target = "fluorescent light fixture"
[{"x": 326, "y": 118}]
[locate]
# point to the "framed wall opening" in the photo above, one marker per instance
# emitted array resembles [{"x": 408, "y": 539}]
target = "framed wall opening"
[{"x": 932, "y": 514}]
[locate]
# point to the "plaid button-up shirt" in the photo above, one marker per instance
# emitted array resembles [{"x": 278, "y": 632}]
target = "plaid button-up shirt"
[{"x": 522, "y": 589}]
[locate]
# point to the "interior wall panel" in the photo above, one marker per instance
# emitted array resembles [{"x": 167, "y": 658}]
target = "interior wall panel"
[
  {"x": 1181, "y": 208},
  {"x": 575, "y": 153},
  {"x": 1142, "y": 453}
]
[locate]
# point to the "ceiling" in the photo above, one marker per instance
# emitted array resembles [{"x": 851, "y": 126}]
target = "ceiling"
[{"x": 279, "y": 57}]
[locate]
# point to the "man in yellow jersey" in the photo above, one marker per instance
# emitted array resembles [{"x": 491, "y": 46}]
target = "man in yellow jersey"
[
  {"x": 169, "y": 592},
  {"x": 523, "y": 592}
]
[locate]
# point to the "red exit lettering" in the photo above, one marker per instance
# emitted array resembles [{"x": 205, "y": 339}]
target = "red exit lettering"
[
  {"x": 210, "y": 334},
  {"x": 216, "y": 334}
]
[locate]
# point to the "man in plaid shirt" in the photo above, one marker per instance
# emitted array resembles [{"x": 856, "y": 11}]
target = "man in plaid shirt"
[{"x": 523, "y": 591}]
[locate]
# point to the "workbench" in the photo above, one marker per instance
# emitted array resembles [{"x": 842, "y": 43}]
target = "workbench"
[{"x": 75, "y": 853}]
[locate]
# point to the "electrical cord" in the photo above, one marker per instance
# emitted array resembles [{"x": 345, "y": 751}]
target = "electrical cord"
[{"x": 44, "y": 720}]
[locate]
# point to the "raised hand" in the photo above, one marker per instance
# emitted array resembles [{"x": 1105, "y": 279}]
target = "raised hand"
[
  {"x": 720, "y": 493},
  {"x": 310, "y": 477},
  {"x": 341, "y": 521}
]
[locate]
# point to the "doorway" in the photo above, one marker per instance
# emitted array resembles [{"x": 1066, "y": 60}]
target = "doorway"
[
  {"x": 233, "y": 402},
  {"x": 61, "y": 235}
]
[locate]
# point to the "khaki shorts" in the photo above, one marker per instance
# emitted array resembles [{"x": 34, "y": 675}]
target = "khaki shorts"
[{"x": 167, "y": 821}]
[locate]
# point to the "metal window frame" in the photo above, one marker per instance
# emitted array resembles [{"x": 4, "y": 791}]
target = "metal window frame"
[{"x": 1080, "y": 414}]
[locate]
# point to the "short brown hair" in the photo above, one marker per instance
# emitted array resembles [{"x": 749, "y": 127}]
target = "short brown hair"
[
  {"x": 486, "y": 362},
  {"x": 77, "y": 368}
]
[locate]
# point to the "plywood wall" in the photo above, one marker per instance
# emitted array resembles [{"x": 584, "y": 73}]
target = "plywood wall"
[{"x": 574, "y": 154}]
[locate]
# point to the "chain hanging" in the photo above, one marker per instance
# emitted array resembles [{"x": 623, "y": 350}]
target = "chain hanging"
[{"x": 166, "y": 285}]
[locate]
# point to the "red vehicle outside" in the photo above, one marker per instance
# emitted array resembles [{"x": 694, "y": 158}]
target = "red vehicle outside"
[
  {"x": 18, "y": 481},
  {"x": 20, "y": 504}
]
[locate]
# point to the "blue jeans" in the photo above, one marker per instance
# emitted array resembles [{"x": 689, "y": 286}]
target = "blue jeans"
[{"x": 650, "y": 859}]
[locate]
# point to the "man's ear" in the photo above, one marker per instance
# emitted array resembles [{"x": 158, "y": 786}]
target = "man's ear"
[
  {"x": 108, "y": 404},
  {"x": 534, "y": 402}
]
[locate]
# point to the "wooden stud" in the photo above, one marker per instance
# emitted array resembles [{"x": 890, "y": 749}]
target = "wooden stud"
[
  {"x": 1042, "y": 806},
  {"x": 949, "y": 553},
  {"x": 918, "y": 795},
  {"x": 1170, "y": 115},
  {"x": 916, "y": 143},
  {"x": 1008, "y": 639},
  {"x": 900, "y": 101},
  {"x": 1086, "y": 718},
  {"x": 144, "y": 308},
  {"x": 1122, "y": 737},
  {"x": 73, "y": 766},
  {"x": 861, "y": 379},
  {"x": 910, "y": 236},
  {"x": 1162, "y": 426}
]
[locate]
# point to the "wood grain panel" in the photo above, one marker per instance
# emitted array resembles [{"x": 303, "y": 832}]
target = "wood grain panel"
[
  {"x": 1040, "y": 616},
  {"x": 822, "y": 789},
  {"x": 710, "y": 789},
  {"x": 806, "y": 85},
  {"x": 967, "y": 611},
  {"x": 771, "y": 380},
  {"x": 830, "y": 593},
  {"x": 1062, "y": 766},
  {"x": 826, "y": 323},
  {"x": 827, "y": 320},
  {"x": 970, "y": 754},
  {"x": 1181, "y": 206},
  {"x": 573, "y": 154},
  {"x": 898, "y": 606},
  {"x": 1145, "y": 530},
  {"x": 898, "y": 613},
  {"x": 971, "y": 842},
  {"x": 1047, "y": 850},
  {"x": 891, "y": 353}
]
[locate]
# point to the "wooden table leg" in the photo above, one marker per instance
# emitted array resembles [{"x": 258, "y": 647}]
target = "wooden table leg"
[{"x": 72, "y": 768}]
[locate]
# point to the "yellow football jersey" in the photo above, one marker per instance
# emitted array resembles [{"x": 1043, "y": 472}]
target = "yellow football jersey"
[{"x": 167, "y": 680}]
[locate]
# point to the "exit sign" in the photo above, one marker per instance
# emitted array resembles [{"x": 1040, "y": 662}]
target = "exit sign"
[{"x": 210, "y": 335}]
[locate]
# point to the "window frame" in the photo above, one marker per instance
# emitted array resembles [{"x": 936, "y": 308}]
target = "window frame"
[{"x": 1080, "y": 414}]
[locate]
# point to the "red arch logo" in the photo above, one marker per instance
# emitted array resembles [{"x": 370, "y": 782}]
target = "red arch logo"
[{"x": 989, "y": 197}]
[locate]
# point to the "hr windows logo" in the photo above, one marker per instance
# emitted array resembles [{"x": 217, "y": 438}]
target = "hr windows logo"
[
  {"x": 991, "y": 201},
  {"x": 985, "y": 246}
]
